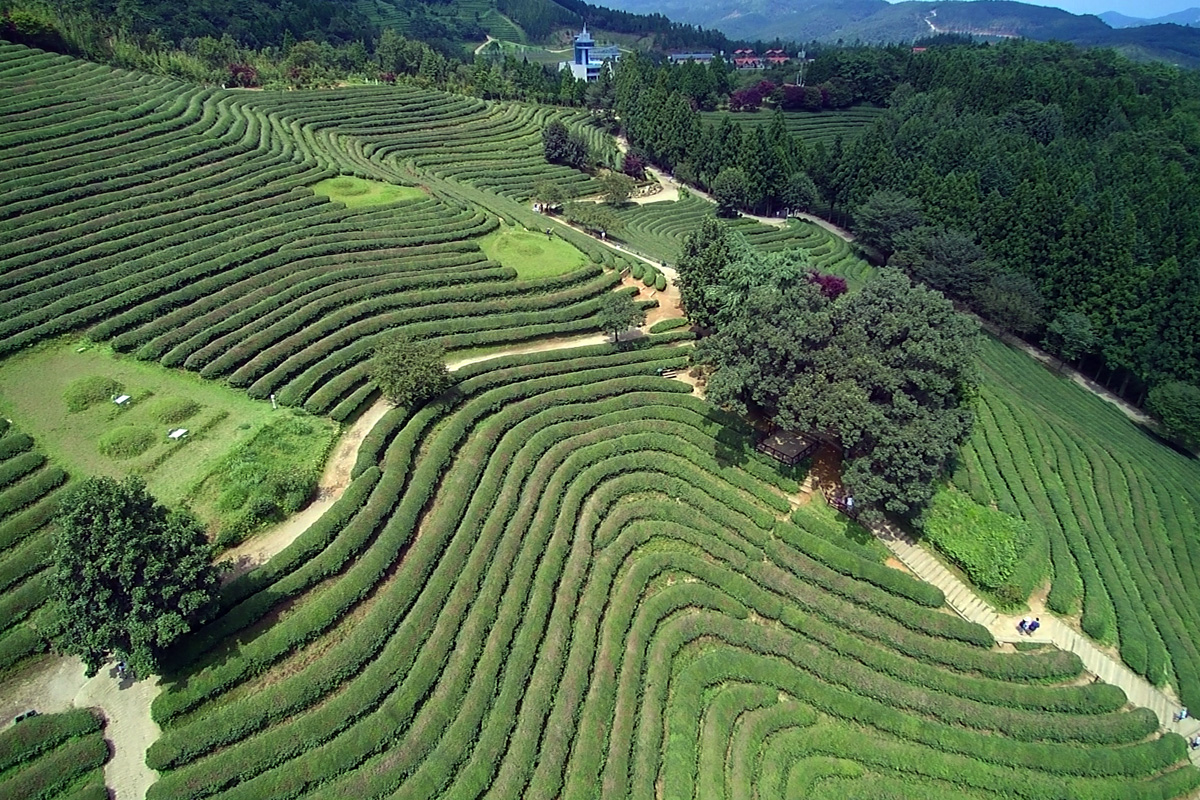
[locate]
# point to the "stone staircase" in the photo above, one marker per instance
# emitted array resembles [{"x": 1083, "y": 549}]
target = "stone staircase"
[{"x": 963, "y": 600}]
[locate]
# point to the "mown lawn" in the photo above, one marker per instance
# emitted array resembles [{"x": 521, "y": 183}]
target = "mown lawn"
[
  {"x": 355, "y": 192},
  {"x": 532, "y": 254},
  {"x": 34, "y": 384}
]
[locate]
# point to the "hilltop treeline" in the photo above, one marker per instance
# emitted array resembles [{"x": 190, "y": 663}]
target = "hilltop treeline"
[{"x": 1071, "y": 177}]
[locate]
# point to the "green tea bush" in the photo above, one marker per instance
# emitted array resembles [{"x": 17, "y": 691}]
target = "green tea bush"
[
  {"x": 84, "y": 393},
  {"x": 126, "y": 441},
  {"x": 664, "y": 325},
  {"x": 172, "y": 410}
]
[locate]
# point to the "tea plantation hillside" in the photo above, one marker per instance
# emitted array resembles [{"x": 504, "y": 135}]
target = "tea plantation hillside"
[
  {"x": 178, "y": 223},
  {"x": 600, "y": 590},
  {"x": 567, "y": 576},
  {"x": 30, "y": 488},
  {"x": 1115, "y": 508},
  {"x": 811, "y": 126}
]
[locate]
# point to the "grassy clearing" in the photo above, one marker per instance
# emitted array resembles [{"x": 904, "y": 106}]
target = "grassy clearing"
[
  {"x": 104, "y": 439},
  {"x": 355, "y": 192},
  {"x": 532, "y": 255}
]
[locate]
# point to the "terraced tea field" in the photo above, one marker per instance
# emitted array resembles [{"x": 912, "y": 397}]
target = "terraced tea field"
[
  {"x": 599, "y": 592},
  {"x": 30, "y": 486},
  {"x": 568, "y": 576},
  {"x": 1117, "y": 511},
  {"x": 658, "y": 229},
  {"x": 812, "y": 126}
]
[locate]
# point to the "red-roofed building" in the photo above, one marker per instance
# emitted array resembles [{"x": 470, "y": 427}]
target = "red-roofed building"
[
  {"x": 776, "y": 57},
  {"x": 746, "y": 59},
  {"x": 920, "y": 49}
]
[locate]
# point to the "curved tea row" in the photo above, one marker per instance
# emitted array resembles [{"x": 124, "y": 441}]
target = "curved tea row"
[{"x": 571, "y": 578}]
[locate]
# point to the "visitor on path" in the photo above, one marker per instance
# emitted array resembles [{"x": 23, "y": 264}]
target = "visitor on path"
[
  {"x": 121, "y": 670},
  {"x": 1033, "y": 626},
  {"x": 548, "y": 234},
  {"x": 1023, "y": 625},
  {"x": 1195, "y": 741},
  {"x": 849, "y": 503},
  {"x": 1181, "y": 715}
]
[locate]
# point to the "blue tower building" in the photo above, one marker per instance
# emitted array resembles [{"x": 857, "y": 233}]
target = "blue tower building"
[{"x": 589, "y": 58}]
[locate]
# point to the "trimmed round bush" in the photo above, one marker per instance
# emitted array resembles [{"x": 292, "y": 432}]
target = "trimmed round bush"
[
  {"x": 172, "y": 410},
  {"x": 87, "y": 392},
  {"x": 127, "y": 441},
  {"x": 660, "y": 282},
  {"x": 636, "y": 270}
]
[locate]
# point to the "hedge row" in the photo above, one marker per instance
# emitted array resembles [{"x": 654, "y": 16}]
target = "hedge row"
[
  {"x": 485, "y": 404},
  {"x": 280, "y": 640}
]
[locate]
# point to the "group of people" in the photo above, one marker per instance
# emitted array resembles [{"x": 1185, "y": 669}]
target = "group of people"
[{"x": 1027, "y": 626}]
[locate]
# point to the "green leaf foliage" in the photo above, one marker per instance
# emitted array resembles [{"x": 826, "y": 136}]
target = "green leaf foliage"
[
  {"x": 618, "y": 313},
  {"x": 987, "y": 543},
  {"x": 888, "y": 372},
  {"x": 1177, "y": 407},
  {"x": 130, "y": 576}
]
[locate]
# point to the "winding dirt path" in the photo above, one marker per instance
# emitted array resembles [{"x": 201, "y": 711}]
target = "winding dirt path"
[
  {"x": 57, "y": 683},
  {"x": 258, "y": 549}
]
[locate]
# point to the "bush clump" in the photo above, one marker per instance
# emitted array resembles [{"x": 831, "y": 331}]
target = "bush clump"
[
  {"x": 988, "y": 544},
  {"x": 125, "y": 442},
  {"x": 87, "y": 392},
  {"x": 172, "y": 410}
]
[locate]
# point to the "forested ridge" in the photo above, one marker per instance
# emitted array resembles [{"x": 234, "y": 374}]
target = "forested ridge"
[{"x": 1075, "y": 169}]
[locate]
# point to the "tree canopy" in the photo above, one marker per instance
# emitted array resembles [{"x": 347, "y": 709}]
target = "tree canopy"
[
  {"x": 1177, "y": 406},
  {"x": 618, "y": 313},
  {"x": 408, "y": 370},
  {"x": 561, "y": 146},
  {"x": 618, "y": 187},
  {"x": 888, "y": 372},
  {"x": 130, "y": 576}
]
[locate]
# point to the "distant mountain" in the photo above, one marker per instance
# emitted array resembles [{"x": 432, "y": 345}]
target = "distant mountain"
[
  {"x": 996, "y": 18},
  {"x": 876, "y": 22},
  {"x": 1189, "y": 17}
]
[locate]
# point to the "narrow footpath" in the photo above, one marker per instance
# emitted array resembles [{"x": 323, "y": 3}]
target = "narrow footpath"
[{"x": 963, "y": 600}]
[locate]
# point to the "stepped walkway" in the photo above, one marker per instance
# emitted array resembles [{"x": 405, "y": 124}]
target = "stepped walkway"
[{"x": 1053, "y": 631}]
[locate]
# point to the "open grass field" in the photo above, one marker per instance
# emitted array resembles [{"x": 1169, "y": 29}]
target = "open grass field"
[
  {"x": 812, "y": 126},
  {"x": 355, "y": 192},
  {"x": 568, "y": 577},
  {"x": 531, "y": 253},
  {"x": 35, "y": 386}
]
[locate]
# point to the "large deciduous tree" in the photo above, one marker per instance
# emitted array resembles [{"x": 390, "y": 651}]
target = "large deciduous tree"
[
  {"x": 561, "y": 146},
  {"x": 1070, "y": 335},
  {"x": 948, "y": 260},
  {"x": 130, "y": 576},
  {"x": 618, "y": 187},
  {"x": 730, "y": 189},
  {"x": 408, "y": 370},
  {"x": 1177, "y": 406},
  {"x": 618, "y": 313},
  {"x": 888, "y": 372},
  {"x": 1012, "y": 302}
]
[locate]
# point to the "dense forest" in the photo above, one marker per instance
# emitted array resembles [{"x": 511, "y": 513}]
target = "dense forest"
[{"x": 1066, "y": 179}]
